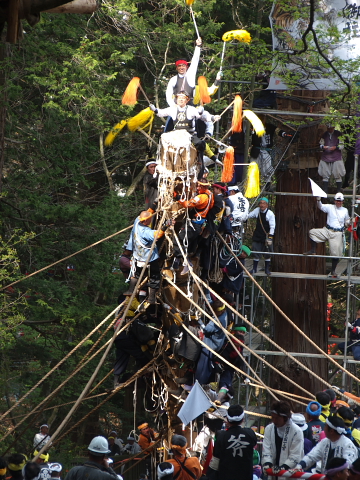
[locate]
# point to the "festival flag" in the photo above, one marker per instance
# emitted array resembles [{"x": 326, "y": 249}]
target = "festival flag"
[
  {"x": 316, "y": 190},
  {"x": 196, "y": 403}
]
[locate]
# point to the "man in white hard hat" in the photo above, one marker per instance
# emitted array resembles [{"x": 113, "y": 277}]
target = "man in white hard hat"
[
  {"x": 97, "y": 467},
  {"x": 337, "y": 220}
]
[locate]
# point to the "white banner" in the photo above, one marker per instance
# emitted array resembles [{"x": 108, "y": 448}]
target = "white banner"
[{"x": 337, "y": 25}]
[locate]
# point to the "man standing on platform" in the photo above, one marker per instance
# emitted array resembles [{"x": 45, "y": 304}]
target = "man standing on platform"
[
  {"x": 337, "y": 219},
  {"x": 185, "y": 78},
  {"x": 331, "y": 163},
  {"x": 262, "y": 240}
]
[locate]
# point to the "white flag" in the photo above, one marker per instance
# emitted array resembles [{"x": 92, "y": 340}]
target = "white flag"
[
  {"x": 196, "y": 403},
  {"x": 316, "y": 190}
]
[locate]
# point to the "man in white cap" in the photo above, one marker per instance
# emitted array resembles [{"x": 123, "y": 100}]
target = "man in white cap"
[
  {"x": 97, "y": 467},
  {"x": 132, "y": 447},
  {"x": 41, "y": 438},
  {"x": 334, "y": 445},
  {"x": 241, "y": 207},
  {"x": 150, "y": 182},
  {"x": 233, "y": 450},
  {"x": 337, "y": 220}
]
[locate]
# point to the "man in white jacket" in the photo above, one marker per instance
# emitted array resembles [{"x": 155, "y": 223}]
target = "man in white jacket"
[
  {"x": 185, "y": 78},
  {"x": 283, "y": 444},
  {"x": 334, "y": 445}
]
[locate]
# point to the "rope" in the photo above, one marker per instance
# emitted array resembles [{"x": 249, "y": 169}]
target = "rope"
[
  {"x": 66, "y": 258},
  {"x": 244, "y": 319},
  {"x": 79, "y": 367},
  {"x": 120, "y": 387},
  {"x": 217, "y": 322},
  {"x": 146, "y": 449},
  {"x": 279, "y": 391},
  {"x": 208, "y": 316},
  {"x": 91, "y": 380},
  {"x": 291, "y": 322},
  {"x": 213, "y": 351},
  {"x": 58, "y": 364},
  {"x": 69, "y": 403}
]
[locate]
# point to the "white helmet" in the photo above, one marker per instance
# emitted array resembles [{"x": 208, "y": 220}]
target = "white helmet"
[
  {"x": 339, "y": 196},
  {"x": 99, "y": 446}
]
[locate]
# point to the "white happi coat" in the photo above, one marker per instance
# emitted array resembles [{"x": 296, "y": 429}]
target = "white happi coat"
[
  {"x": 344, "y": 448},
  {"x": 292, "y": 447}
]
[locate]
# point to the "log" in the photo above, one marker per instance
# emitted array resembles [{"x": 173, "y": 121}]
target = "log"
[
  {"x": 304, "y": 301},
  {"x": 76, "y": 6}
]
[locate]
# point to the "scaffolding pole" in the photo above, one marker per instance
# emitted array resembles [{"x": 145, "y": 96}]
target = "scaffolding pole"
[{"x": 350, "y": 285}]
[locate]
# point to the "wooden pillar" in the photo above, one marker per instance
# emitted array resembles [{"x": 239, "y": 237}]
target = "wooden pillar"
[{"x": 303, "y": 300}]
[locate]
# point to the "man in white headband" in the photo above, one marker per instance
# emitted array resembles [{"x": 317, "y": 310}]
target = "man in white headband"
[
  {"x": 233, "y": 449},
  {"x": 150, "y": 182},
  {"x": 334, "y": 445},
  {"x": 283, "y": 444},
  {"x": 55, "y": 469}
]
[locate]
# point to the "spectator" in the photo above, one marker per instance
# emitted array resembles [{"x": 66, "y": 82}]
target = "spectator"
[
  {"x": 314, "y": 426},
  {"x": 97, "y": 467},
  {"x": 113, "y": 447},
  {"x": 165, "y": 471},
  {"x": 299, "y": 420},
  {"x": 335, "y": 444},
  {"x": 41, "y": 438},
  {"x": 132, "y": 447},
  {"x": 233, "y": 450},
  {"x": 324, "y": 400},
  {"x": 16, "y": 462},
  {"x": 282, "y": 445},
  {"x": 337, "y": 469},
  {"x": 185, "y": 468}
]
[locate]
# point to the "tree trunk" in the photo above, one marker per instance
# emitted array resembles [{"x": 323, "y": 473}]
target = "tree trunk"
[{"x": 303, "y": 300}]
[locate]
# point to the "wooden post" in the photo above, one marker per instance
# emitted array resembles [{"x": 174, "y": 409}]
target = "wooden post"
[
  {"x": 304, "y": 301},
  {"x": 12, "y": 21}
]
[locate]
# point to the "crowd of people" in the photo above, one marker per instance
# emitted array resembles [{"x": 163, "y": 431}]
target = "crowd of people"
[{"x": 323, "y": 439}]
